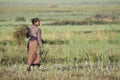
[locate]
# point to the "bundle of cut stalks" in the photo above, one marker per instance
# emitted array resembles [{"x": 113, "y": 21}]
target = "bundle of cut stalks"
[{"x": 20, "y": 34}]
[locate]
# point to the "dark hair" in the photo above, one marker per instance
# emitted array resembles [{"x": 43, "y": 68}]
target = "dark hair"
[{"x": 33, "y": 20}]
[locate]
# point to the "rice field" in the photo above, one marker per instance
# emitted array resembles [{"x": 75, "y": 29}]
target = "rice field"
[
  {"x": 69, "y": 54},
  {"x": 72, "y": 52}
]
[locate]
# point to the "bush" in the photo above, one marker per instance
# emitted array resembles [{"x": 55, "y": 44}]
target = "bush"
[{"x": 20, "y": 19}]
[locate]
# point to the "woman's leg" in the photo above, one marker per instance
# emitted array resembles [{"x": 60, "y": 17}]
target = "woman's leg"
[
  {"x": 29, "y": 68},
  {"x": 38, "y": 66}
]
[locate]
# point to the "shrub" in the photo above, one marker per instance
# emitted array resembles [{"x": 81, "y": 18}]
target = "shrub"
[{"x": 20, "y": 19}]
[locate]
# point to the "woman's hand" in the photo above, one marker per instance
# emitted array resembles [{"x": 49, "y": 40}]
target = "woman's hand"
[{"x": 42, "y": 49}]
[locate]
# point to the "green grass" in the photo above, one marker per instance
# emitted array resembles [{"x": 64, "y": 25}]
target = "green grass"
[
  {"x": 47, "y": 13},
  {"x": 72, "y": 43},
  {"x": 69, "y": 39},
  {"x": 62, "y": 72},
  {"x": 72, "y": 52},
  {"x": 59, "y": 2},
  {"x": 80, "y": 51}
]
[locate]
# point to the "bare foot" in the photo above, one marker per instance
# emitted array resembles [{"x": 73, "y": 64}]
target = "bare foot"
[{"x": 28, "y": 69}]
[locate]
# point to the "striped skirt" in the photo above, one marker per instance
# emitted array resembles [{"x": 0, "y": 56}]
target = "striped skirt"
[{"x": 33, "y": 57}]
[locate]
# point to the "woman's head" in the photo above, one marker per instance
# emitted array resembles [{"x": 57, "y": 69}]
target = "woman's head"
[{"x": 35, "y": 21}]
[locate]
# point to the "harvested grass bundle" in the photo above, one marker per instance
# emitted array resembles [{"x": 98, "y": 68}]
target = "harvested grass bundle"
[{"x": 20, "y": 34}]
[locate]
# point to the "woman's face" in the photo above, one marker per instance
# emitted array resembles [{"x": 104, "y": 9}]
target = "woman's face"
[{"x": 37, "y": 23}]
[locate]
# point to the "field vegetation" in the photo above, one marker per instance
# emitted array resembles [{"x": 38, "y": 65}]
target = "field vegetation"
[{"x": 81, "y": 39}]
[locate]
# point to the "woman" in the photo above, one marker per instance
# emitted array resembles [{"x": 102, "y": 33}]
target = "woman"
[{"x": 34, "y": 42}]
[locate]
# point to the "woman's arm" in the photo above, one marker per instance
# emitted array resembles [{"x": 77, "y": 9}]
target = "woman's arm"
[{"x": 39, "y": 38}]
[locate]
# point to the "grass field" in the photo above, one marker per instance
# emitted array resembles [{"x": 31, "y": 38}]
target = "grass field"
[
  {"x": 69, "y": 54},
  {"x": 72, "y": 52}
]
